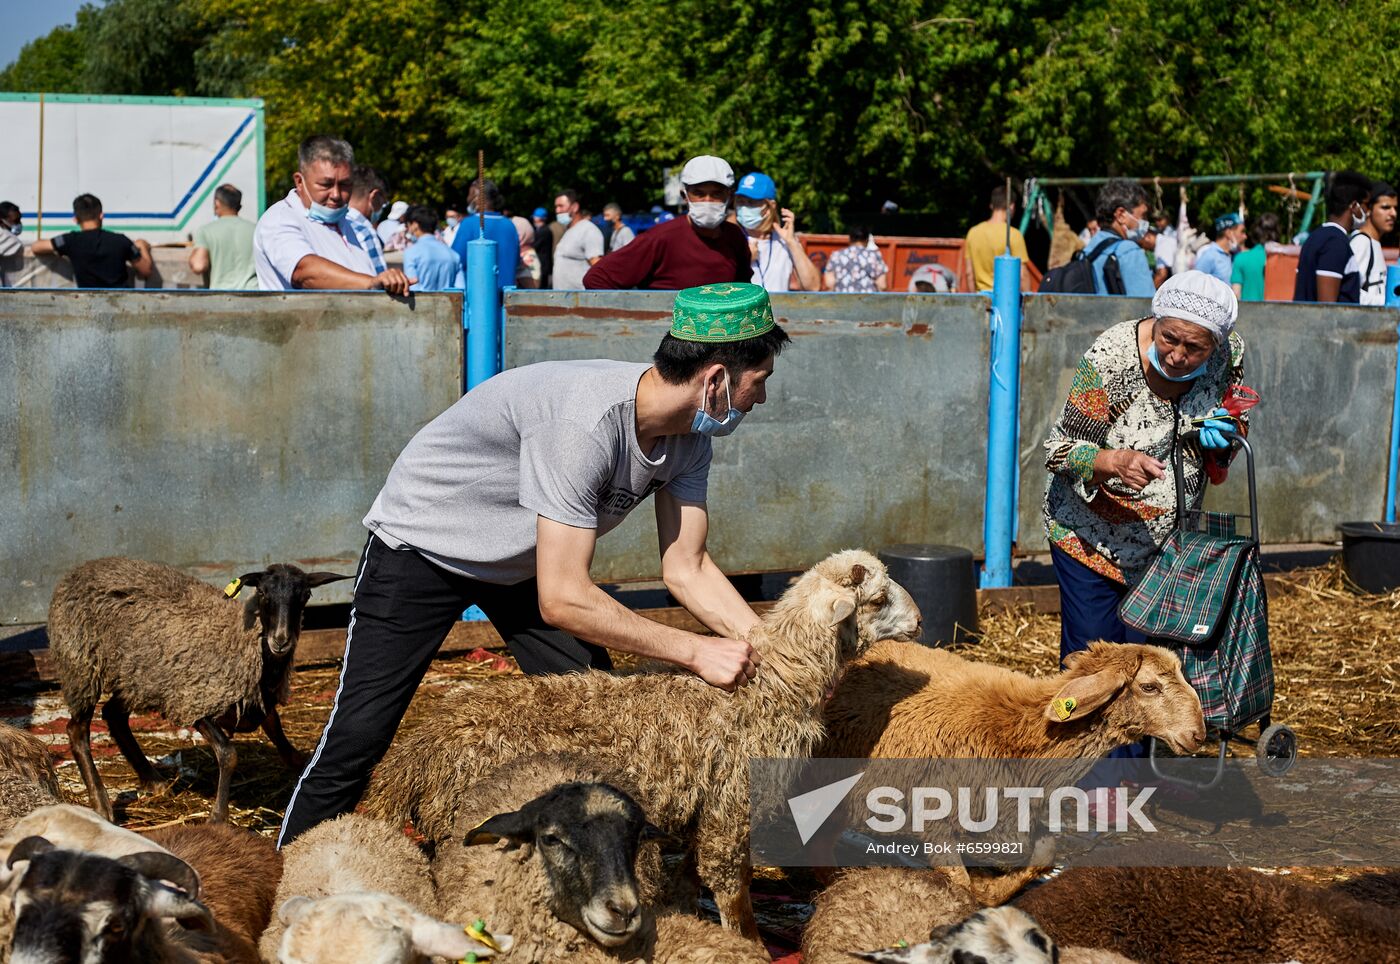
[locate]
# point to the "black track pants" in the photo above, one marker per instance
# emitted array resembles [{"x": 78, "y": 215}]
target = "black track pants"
[{"x": 403, "y": 609}]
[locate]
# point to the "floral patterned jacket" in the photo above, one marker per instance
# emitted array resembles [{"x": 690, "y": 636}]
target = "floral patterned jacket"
[{"x": 1110, "y": 528}]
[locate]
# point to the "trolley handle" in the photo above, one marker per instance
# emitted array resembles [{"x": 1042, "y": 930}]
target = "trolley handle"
[{"x": 1178, "y": 456}]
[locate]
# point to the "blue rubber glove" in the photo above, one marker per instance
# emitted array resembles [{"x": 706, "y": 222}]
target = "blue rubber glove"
[{"x": 1211, "y": 428}]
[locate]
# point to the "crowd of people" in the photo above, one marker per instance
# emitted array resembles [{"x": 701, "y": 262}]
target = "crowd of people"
[
  {"x": 339, "y": 229},
  {"x": 1133, "y": 252}
]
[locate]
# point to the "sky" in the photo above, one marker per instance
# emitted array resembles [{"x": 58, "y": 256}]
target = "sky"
[{"x": 24, "y": 20}]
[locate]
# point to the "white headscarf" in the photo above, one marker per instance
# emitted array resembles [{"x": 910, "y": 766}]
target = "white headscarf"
[{"x": 1200, "y": 298}]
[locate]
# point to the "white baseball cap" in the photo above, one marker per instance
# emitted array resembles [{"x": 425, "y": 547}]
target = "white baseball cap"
[
  {"x": 399, "y": 209},
  {"x": 707, "y": 167}
]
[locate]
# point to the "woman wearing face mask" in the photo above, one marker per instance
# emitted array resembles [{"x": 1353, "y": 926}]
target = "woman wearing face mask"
[
  {"x": 1121, "y": 208},
  {"x": 701, "y": 248},
  {"x": 1111, "y": 497},
  {"x": 780, "y": 263},
  {"x": 1217, "y": 258}
]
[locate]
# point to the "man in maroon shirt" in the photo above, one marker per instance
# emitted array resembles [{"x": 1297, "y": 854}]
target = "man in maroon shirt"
[{"x": 699, "y": 249}]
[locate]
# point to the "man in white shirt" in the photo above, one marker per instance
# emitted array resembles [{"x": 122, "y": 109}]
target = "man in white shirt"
[
  {"x": 580, "y": 248},
  {"x": 302, "y": 241},
  {"x": 1366, "y": 252}
]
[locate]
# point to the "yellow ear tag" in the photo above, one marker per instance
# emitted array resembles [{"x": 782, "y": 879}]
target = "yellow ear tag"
[
  {"x": 233, "y": 589},
  {"x": 478, "y": 932},
  {"x": 1064, "y": 708}
]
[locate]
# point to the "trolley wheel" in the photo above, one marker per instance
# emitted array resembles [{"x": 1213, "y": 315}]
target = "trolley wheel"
[{"x": 1277, "y": 750}]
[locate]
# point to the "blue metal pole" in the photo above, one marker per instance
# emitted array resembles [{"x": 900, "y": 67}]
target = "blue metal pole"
[
  {"x": 483, "y": 312},
  {"x": 999, "y": 518},
  {"x": 1392, "y": 300}
]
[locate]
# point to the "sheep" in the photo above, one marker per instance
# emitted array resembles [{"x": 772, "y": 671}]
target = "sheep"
[
  {"x": 239, "y": 872},
  {"x": 28, "y": 780},
  {"x": 560, "y": 872},
  {"x": 370, "y": 929},
  {"x": 1210, "y": 914},
  {"x": 351, "y": 854},
  {"x": 874, "y": 907},
  {"x": 71, "y": 906},
  {"x": 909, "y": 701},
  {"x": 156, "y": 639},
  {"x": 69, "y": 827},
  {"x": 683, "y": 745}
]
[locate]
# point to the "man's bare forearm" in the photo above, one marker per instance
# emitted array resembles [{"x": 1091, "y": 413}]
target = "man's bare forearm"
[
  {"x": 709, "y": 596},
  {"x": 594, "y": 616}
]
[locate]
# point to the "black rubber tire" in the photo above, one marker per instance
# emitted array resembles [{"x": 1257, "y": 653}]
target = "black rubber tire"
[{"x": 1277, "y": 750}]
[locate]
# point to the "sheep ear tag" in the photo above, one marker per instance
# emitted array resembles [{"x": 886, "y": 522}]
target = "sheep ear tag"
[
  {"x": 233, "y": 589},
  {"x": 1064, "y": 707}
]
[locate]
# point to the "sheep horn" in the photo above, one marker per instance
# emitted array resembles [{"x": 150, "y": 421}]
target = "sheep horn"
[
  {"x": 27, "y": 849},
  {"x": 162, "y": 866}
]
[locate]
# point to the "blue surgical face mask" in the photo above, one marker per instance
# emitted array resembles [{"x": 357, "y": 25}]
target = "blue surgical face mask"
[
  {"x": 325, "y": 215},
  {"x": 749, "y": 217},
  {"x": 451, "y": 222},
  {"x": 1156, "y": 361},
  {"x": 564, "y": 218},
  {"x": 706, "y": 424},
  {"x": 16, "y": 228}
]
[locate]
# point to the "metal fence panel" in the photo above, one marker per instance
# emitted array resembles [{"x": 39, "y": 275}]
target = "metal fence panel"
[
  {"x": 874, "y": 431},
  {"x": 213, "y": 431}
]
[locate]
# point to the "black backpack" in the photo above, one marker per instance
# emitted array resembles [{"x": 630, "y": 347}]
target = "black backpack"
[{"x": 1077, "y": 277}]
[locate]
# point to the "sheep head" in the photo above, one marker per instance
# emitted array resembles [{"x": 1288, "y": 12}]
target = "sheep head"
[
  {"x": 853, "y": 591},
  {"x": 373, "y": 929},
  {"x": 279, "y": 602},
  {"x": 1140, "y": 688},
  {"x": 586, "y": 837},
  {"x": 74, "y": 906},
  {"x": 998, "y": 935}
]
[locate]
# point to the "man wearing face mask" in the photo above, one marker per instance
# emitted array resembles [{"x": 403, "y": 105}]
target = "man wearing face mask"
[
  {"x": 500, "y": 502},
  {"x": 780, "y": 262},
  {"x": 1121, "y": 210},
  {"x": 579, "y": 247},
  {"x": 1327, "y": 269},
  {"x": 699, "y": 249},
  {"x": 302, "y": 241},
  {"x": 369, "y": 202},
  {"x": 11, "y": 247},
  {"x": 1217, "y": 257}
]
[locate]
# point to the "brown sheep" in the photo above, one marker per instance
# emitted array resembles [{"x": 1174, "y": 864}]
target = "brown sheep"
[
  {"x": 154, "y": 638},
  {"x": 1201, "y": 915},
  {"x": 683, "y": 745},
  {"x": 238, "y": 871},
  {"x": 867, "y": 908},
  {"x": 908, "y": 701},
  {"x": 28, "y": 756}
]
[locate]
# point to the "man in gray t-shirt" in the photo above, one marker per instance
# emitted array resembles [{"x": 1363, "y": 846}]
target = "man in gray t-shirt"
[{"x": 499, "y": 502}]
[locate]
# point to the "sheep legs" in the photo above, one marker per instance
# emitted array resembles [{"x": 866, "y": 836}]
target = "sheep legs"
[
  {"x": 118, "y": 719},
  {"x": 227, "y": 758},
  {"x": 80, "y": 741},
  {"x": 293, "y": 758},
  {"x": 729, "y": 883}
]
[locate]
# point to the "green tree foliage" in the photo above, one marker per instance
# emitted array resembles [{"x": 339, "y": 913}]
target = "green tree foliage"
[{"x": 845, "y": 102}]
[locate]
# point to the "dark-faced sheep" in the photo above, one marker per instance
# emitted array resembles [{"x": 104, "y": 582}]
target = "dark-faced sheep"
[
  {"x": 1201, "y": 915},
  {"x": 683, "y": 745},
  {"x": 903, "y": 701},
  {"x": 72, "y": 907},
  {"x": 155, "y": 639},
  {"x": 560, "y": 873}
]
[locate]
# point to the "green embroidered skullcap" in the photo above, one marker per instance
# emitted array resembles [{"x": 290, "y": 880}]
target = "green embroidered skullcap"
[{"x": 728, "y": 311}]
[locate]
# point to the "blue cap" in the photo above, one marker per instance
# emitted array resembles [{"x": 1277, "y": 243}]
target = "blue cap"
[
  {"x": 758, "y": 186},
  {"x": 541, "y": 213},
  {"x": 1227, "y": 221}
]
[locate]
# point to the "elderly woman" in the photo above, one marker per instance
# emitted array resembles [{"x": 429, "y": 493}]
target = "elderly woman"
[{"x": 1111, "y": 500}]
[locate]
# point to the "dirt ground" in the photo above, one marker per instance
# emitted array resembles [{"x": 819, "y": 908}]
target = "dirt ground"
[{"x": 1337, "y": 671}]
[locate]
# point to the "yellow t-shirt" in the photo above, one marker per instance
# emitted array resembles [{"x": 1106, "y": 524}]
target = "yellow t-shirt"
[{"x": 985, "y": 243}]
